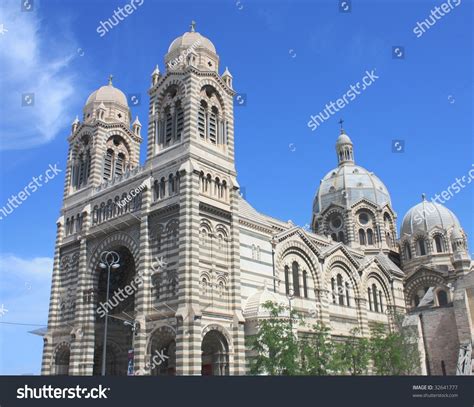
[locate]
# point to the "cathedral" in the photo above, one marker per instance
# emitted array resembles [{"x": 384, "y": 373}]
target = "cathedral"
[{"x": 163, "y": 268}]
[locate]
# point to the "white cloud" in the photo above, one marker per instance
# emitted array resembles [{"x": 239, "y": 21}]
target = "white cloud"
[
  {"x": 31, "y": 63},
  {"x": 38, "y": 267}
]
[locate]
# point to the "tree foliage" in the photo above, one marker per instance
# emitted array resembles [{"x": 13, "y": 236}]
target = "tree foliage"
[{"x": 278, "y": 349}]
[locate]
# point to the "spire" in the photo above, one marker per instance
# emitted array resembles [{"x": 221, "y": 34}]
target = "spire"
[
  {"x": 344, "y": 147},
  {"x": 155, "y": 75},
  {"x": 227, "y": 72},
  {"x": 192, "y": 27},
  {"x": 340, "y": 122},
  {"x": 110, "y": 79},
  {"x": 423, "y": 196}
]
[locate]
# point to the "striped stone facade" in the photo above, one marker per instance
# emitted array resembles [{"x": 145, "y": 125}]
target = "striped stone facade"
[{"x": 197, "y": 262}]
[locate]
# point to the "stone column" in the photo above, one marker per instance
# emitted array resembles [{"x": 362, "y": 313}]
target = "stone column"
[
  {"x": 188, "y": 315},
  {"x": 238, "y": 358},
  {"x": 53, "y": 302},
  {"x": 83, "y": 347},
  {"x": 143, "y": 297}
]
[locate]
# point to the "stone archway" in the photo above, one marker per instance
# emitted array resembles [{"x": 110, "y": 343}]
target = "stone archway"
[
  {"x": 215, "y": 354},
  {"x": 62, "y": 356},
  {"x": 162, "y": 352}
]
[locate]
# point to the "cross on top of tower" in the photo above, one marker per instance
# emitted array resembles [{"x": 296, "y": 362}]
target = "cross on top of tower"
[
  {"x": 193, "y": 26},
  {"x": 340, "y": 122}
]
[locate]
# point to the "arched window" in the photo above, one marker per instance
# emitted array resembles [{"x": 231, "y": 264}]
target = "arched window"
[
  {"x": 407, "y": 251},
  {"x": 217, "y": 187},
  {"x": 179, "y": 120},
  {"x": 442, "y": 298},
  {"x": 333, "y": 290},
  {"x": 156, "y": 190},
  {"x": 381, "y": 303},
  {"x": 417, "y": 300},
  {"x": 305, "y": 284},
  {"x": 340, "y": 290},
  {"x": 116, "y": 158},
  {"x": 171, "y": 184},
  {"x": 224, "y": 191},
  {"x": 334, "y": 237},
  {"x": 82, "y": 164},
  {"x": 369, "y": 295},
  {"x": 362, "y": 237},
  {"x": 162, "y": 187},
  {"x": 202, "y": 119},
  {"x": 204, "y": 287},
  {"x": 168, "y": 126},
  {"x": 341, "y": 236},
  {"x": 296, "y": 281},
  {"x": 438, "y": 243},
  {"x": 287, "y": 281},
  {"x": 370, "y": 237},
  {"x": 211, "y": 125},
  {"x": 348, "y": 303},
  {"x": 374, "y": 295},
  {"x": 109, "y": 155},
  {"x": 421, "y": 246},
  {"x": 119, "y": 164}
]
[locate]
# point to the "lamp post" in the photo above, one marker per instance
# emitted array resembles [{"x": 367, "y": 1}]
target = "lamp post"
[
  {"x": 290, "y": 297},
  {"x": 109, "y": 260}
]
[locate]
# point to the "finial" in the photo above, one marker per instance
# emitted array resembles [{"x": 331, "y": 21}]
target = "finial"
[
  {"x": 340, "y": 122},
  {"x": 193, "y": 26},
  {"x": 110, "y": 79},
  {"x": 423, "y": 196}
]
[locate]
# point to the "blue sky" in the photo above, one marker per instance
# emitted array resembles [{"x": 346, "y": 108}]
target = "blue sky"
[{"x": 289, "y": 58}]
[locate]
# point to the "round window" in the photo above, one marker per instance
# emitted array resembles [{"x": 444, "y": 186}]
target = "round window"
[
  {"x": 364, "y": 218},
  {"x": 336, "y": 222}
]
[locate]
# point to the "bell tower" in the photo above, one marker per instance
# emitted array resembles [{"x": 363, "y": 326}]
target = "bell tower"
[
  {"x": 190, "y": 153},
  {"x": 102, "y": 146}
]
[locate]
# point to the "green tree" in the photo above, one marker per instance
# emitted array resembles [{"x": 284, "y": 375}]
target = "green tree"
[
  {"x": 352, "y": 355},
  {"x": 394, "y": 352},
  {"x": 317, "y": 352},
  {"x": 275, "y": 344}
]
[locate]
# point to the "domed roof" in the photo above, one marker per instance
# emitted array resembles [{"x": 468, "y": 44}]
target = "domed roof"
[
  {"x": 108, "y": 93},
  {"x": 254, "y": 307},
  {"x": 348, "y": 184},
  {"x": 425, "y": 216},
  {"x": 343, "y": 139},
  {"x": 191, "y": 39}
]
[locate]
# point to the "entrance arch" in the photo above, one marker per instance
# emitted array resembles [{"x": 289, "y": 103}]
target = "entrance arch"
[
  {"x": 162, "y": 350},
  {"x": 215, "y": 354},
  {"x": 61, "y": 359}
]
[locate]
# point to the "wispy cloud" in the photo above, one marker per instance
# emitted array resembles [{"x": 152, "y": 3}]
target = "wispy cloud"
[
  {"x": 31, "y": 64},
  {"x": 24, "y": 293}
]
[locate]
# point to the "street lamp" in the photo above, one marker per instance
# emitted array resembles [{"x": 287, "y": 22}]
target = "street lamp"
[
  {"x": 290, "y": 296},
  {"x": 109, "y": 260}
]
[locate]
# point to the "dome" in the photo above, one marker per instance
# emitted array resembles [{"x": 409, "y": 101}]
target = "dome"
[
  {"x": 191, "y": 39},
  {"x": 254, "y": 307},
  {"x": 348, "y": 184},
  {"x": 343, "y": 139},
  {"x": 424, "y": 216},
  {"x": 108, "y": 93}
]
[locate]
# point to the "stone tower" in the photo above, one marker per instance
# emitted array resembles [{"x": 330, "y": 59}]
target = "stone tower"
[{"x": 173, "y": 223}]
